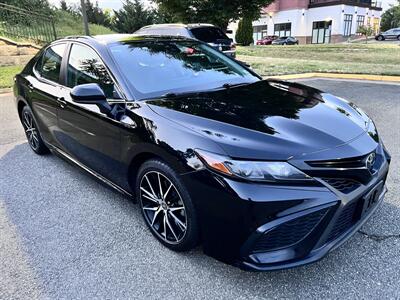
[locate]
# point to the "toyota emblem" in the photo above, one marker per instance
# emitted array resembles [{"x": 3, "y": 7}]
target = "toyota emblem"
[{"x": 370, "y": 161}]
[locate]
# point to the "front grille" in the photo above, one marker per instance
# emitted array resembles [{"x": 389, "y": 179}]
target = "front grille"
[
  {"x": 343, "y": 185},
  {"x": 353, "y": 162},
  {"x": 289, "y": 233},
  {"x": 345, "y": 220}
]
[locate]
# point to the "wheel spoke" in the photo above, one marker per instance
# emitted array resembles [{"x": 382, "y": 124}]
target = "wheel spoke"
[
  {"x": 151, "y": 187},
  {"x": 170, "y": 227},
  {"x": 149, "y": 196},
  {"x": 177, "y": 208},
  {"x": 151, "y": 208},
  {"x": 159, "y": 185},
  {"x": 165, "y": 227},
  {"x": 155, "y": 216},
  {"x": 166, "y": 193},
  {"x": 34, "y": 134},
  {"x": 179, "y": 222}
]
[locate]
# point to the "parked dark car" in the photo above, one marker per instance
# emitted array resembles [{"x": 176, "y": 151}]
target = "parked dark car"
[
  {"x": 265, "y": 174},
  {"x": 208, "y": 33},
  {"x": 266, "y": 40},
  {"x": 285, "y": 40},
  {"x": 390, "y": 34}
]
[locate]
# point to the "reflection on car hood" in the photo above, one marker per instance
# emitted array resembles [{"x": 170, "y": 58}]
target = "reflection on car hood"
[{"x": 267, "y": 119}]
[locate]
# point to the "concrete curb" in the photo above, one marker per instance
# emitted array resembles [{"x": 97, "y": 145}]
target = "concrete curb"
[
  {"x": 5, "y": 90},
  {"x": 338, "y": 76}
]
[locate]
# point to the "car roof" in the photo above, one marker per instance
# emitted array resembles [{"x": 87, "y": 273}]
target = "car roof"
[{"x": 105, "y": 39}]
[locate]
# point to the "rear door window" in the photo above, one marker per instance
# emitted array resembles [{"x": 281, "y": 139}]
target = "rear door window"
[{"x": 50, "y": 64}]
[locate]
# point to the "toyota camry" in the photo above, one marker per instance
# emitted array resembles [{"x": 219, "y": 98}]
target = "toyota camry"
[{"x": 264, "y": 174}]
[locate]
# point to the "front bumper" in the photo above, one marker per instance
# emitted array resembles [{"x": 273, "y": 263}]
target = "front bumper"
[{"x": 263, "y": 227}]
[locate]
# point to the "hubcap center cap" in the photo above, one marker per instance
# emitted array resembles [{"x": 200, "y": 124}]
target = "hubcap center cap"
[{"x": 164, "y": 206}]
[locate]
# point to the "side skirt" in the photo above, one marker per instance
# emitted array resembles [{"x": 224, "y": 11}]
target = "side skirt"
[{"x": 96, "y": 175}]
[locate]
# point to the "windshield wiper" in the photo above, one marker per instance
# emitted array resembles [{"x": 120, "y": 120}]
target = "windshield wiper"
[{"x": 231, "y": 85}]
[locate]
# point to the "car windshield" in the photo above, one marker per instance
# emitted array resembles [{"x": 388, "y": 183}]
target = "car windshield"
[
  {"x": 208, "y": 34},
  {"x": 154, "y": 68}
]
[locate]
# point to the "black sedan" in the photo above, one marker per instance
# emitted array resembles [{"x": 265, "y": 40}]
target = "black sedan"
[
  {"x": 265, "y": 174},
  {"x": 285, "y": 40}
]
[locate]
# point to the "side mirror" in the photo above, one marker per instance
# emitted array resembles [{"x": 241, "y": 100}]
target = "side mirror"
[{"x": 91, "y": 93}]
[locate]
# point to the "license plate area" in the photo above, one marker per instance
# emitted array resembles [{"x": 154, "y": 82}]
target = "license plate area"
[{"x": 372, "y": 197}]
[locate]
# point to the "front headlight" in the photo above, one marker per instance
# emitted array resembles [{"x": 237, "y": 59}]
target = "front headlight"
[{"x": 252, "y": 170}]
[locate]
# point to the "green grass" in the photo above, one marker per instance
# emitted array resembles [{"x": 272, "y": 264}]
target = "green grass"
[
  {"x": 378, "y": 59},
  {"x": 7, "y": 74}
]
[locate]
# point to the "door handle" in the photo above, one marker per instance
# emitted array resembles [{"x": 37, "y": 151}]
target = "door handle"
[{"x": 62, "y": 102}]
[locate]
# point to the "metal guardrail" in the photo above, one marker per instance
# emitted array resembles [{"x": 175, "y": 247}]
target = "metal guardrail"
[{"x": 16, "y": 22}]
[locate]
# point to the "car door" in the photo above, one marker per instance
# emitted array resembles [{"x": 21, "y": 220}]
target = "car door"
[
  {"x": 44, "y": 90},
  {"x": 86, "y": 134}
]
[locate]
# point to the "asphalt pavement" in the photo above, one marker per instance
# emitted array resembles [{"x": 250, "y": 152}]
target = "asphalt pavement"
[{"x": 63, "y": 235}]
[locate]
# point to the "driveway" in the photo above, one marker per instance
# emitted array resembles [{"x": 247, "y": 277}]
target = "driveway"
[{"x": 63, "y": 235}]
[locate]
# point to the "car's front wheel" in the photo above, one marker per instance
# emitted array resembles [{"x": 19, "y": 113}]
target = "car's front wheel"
[
  {"x": 166, "y": 206},
  {"x": 398, "y": 37},
  {"x": 380, "y": 38},
  {"x": 32, "y": 132}
]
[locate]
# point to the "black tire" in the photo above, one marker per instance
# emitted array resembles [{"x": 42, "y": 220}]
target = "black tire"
[
  {"x": 32, "y": 133},
  {"x": 167, "y": 224},
  {"x": 380, "y": 38},
  {"x": 398, "y": 37}
]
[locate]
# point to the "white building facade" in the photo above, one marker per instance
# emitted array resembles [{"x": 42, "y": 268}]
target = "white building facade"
[{"x": 317, "y": 21}]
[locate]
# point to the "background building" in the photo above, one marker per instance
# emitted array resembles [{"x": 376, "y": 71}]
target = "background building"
[{"x": 317, "y": 21}]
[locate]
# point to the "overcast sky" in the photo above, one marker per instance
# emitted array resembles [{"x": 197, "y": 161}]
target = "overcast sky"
[{"x": 117, "y": 4}]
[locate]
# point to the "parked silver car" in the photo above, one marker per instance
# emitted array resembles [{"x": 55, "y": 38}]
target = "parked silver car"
[
  {"x": 393, "y": 33},
  {"x": 207, "y": 33}
]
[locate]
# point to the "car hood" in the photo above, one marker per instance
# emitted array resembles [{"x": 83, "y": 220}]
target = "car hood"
[{"x": 268, "y": 119}]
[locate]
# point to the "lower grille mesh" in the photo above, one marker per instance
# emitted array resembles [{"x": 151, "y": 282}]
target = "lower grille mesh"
[
  {"x": 343, "y": 185},
  {"x": 344, "y": 221},
  {"x": 288, "y": 233}
]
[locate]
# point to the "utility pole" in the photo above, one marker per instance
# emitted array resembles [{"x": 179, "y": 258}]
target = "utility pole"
[{"x": 84, "y": 17}]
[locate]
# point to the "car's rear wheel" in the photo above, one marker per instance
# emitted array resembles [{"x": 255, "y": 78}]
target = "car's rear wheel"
[
  {"x": 398, "y": 37},
  {"x": 166, "y": 206},
  {"x": 32, "y": 132}
]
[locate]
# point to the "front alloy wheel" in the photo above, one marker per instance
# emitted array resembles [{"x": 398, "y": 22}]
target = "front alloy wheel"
[
  {"x": 166, "y": 206},
  {"x": 32, "y": 133}
]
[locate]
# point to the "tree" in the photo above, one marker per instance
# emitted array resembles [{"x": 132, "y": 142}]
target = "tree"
[
  {"x": 41, "y": 6},
  {"x": 391, "y": 17},
  {"x": 217, "y": 12},
  {"x": 367, "y": 31},
  {"x": 95, "y": 14},
  {"x": 244, "y": 34},
  {"x": 133, "y": 16}
]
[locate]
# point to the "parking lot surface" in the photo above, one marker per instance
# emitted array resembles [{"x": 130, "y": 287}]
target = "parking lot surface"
[{"x": 63, "y": 235}]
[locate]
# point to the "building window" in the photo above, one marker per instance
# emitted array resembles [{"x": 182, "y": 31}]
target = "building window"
[
  {"x": 376, "y": 25},
  {"x": 321, "y": 33},
  {"x": 360, "y": 22},
  {"x": 259, "y": 32},
  {"x": 348, "y": 20},
  {"x": 283, "y": 29}
]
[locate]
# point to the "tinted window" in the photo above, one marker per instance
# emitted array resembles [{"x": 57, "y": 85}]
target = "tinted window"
[
  {"x": 51, "y": 62},
  {"x": 209, "y": 34},
  {"x": 85, "y": 66},
  {"x": 154, "y": 68}
]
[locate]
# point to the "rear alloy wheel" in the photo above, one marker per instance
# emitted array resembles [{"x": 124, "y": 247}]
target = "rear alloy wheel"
[
  {"x": 166, "y": 206},
  {"x": 32, "y": 133}
]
